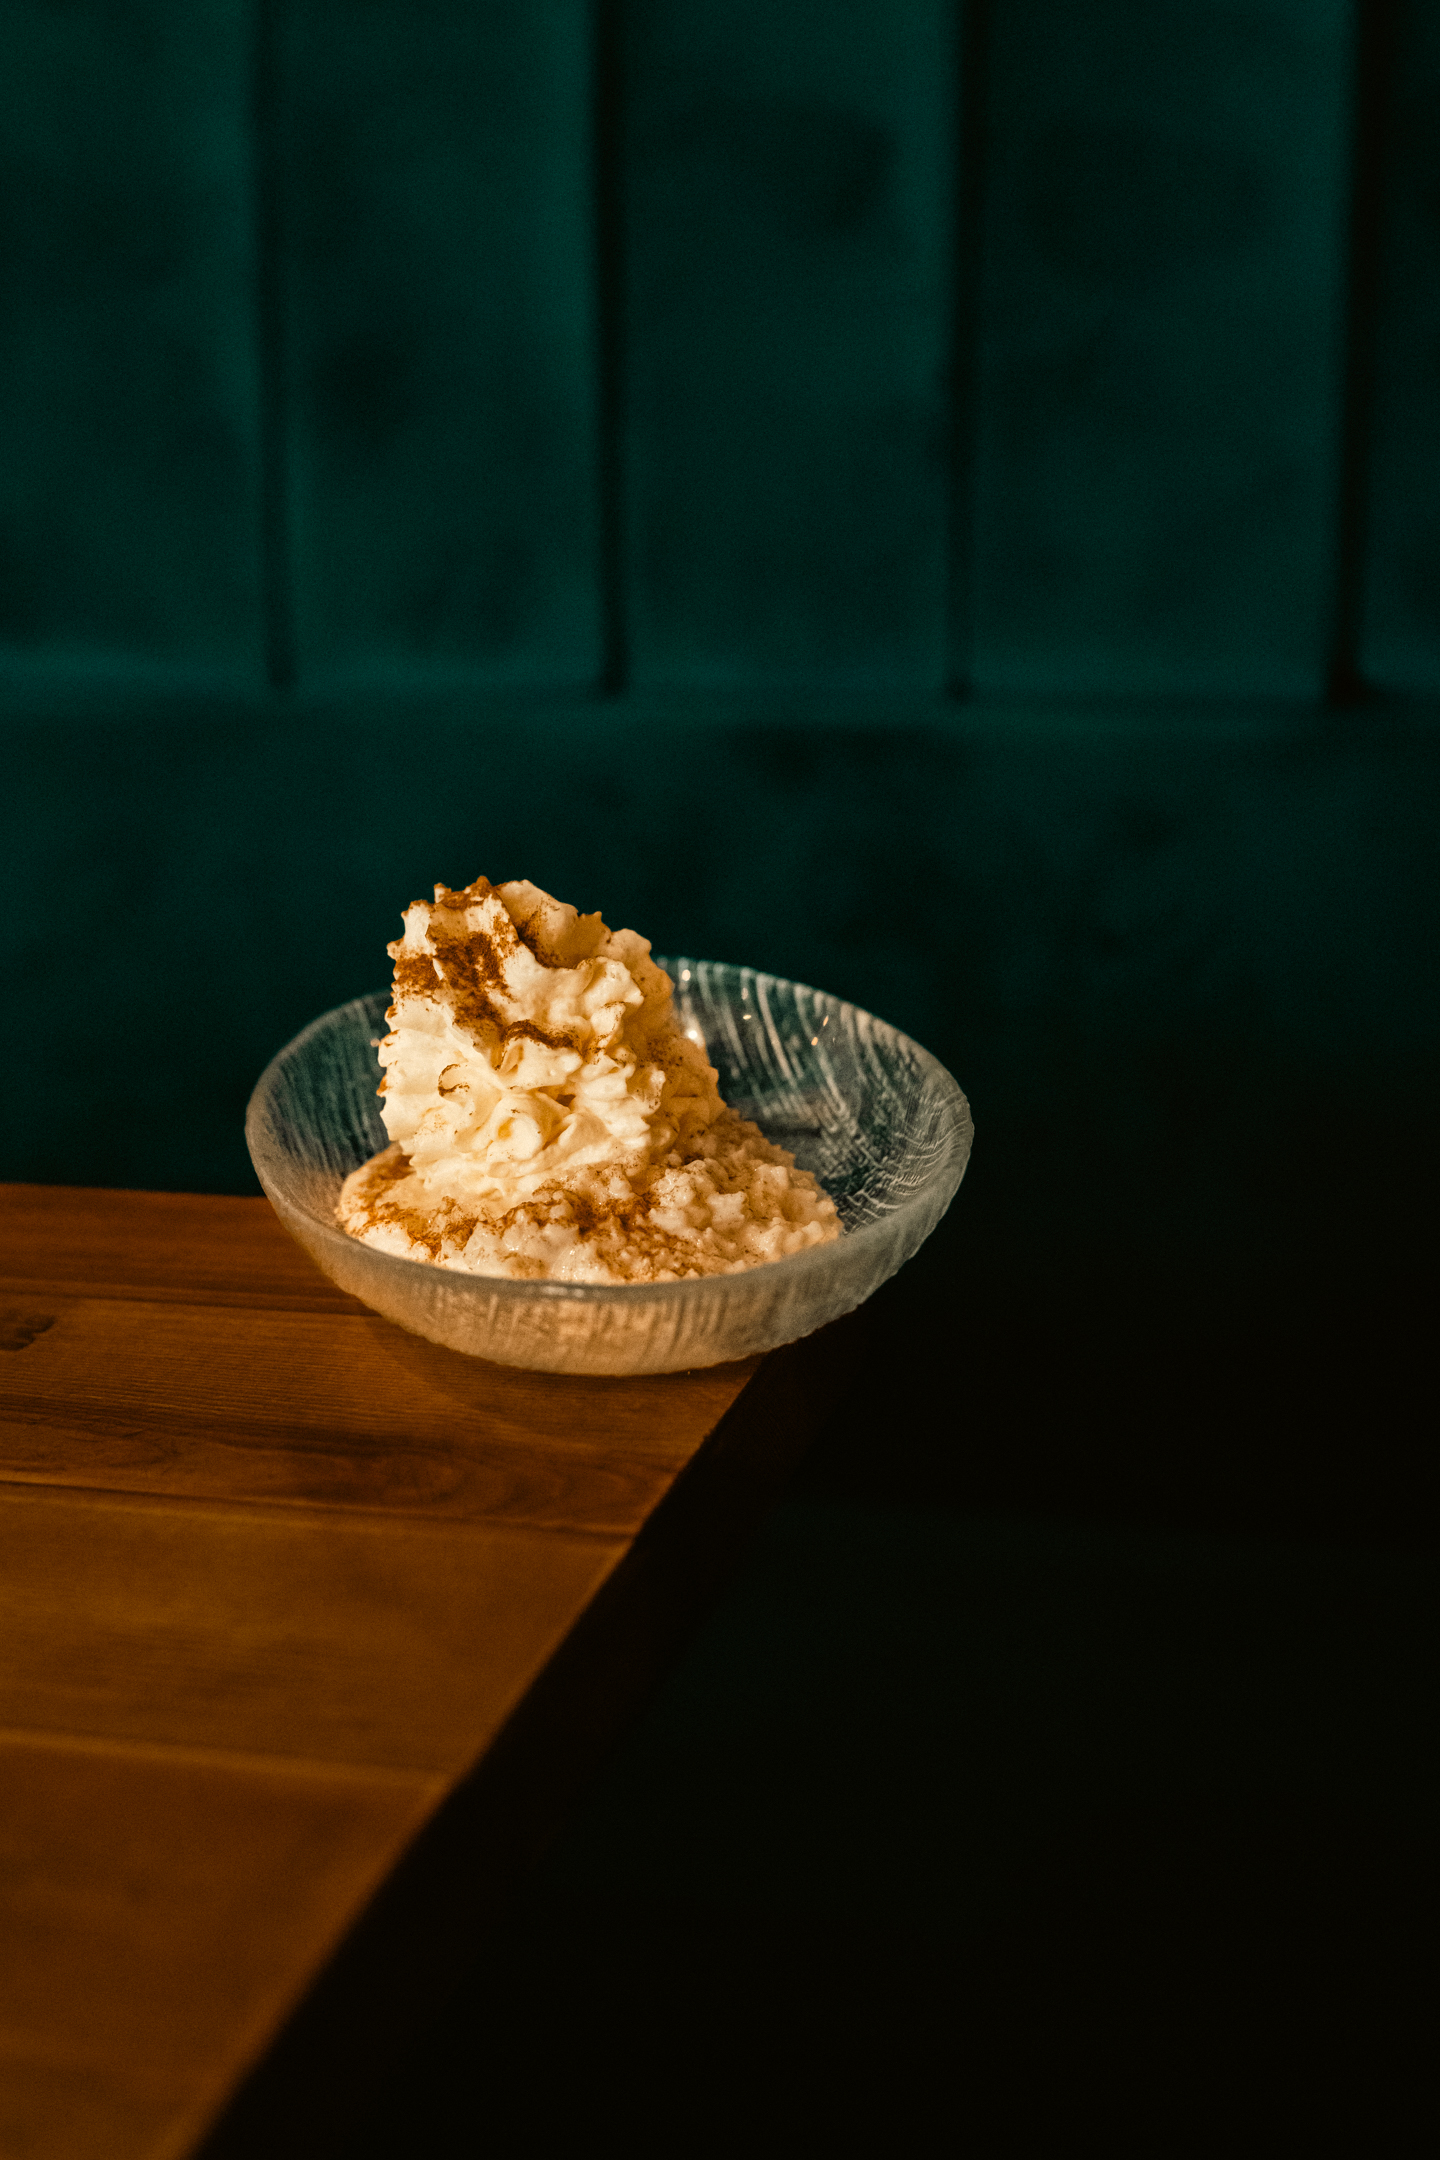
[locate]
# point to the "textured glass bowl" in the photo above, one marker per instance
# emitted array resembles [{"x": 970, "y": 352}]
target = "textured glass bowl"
[{"x": 876, "y": 1118}]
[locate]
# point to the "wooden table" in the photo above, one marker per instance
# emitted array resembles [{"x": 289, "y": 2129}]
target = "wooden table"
[{"x": 308, "y": 1632}]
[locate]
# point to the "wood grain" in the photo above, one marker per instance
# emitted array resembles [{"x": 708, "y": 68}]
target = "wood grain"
[
  {"x": 341, "y": 1410},
  {"x": 338, "y": 1640},
  {"x": 308, "y": 1630},
  {"x": 157, "y": 1915},
  {"x": 194, "y": 1246}
]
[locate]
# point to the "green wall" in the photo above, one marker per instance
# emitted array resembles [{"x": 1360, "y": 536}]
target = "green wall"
[
  {"x": 1043, "y": 350},
  {"x": 929, "y": 499},
  {"x": 1183, "y": 962}
]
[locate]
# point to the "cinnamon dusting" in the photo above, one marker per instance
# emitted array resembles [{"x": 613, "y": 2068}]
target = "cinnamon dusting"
[
  {"x": 604, "y": 1154},
  {"x": 468, "y": 966}
]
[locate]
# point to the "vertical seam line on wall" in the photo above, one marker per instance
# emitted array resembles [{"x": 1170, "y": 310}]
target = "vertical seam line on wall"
[
  {"x": 1371, "y": 84},
  {"x": 970, "y": 147},
  {"x": 275, "y": 559},
  {"x": 607, "y": 135}
]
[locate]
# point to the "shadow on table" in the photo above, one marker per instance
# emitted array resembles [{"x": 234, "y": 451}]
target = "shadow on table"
[{"x": 1060, "y": 1746}]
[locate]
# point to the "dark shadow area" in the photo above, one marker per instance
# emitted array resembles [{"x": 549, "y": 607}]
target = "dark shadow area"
[
  {"x": 1208, "y": 1400},
  {"x": 975, "y": 1827},
  {"x": 1146, "y": 2013},
  {"x": 1058, "y": 1757}
]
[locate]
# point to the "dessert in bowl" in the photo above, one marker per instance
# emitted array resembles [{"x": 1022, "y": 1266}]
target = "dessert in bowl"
[{"x": 589, "y": 1161}]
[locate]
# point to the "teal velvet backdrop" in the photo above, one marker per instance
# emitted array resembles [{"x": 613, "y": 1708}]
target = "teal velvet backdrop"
[
  {"x": 930, "y": 499},
  {"x": 940, "y": 498}
]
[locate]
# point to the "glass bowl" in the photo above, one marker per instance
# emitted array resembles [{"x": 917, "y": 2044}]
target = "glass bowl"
[{"x": 878, "y": 1120}]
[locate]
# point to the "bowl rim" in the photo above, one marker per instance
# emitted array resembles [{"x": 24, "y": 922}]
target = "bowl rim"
[{"x": 815, "y": 1258}]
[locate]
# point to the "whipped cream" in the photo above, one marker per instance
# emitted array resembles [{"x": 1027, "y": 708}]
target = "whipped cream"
[{"x": 549, "y": 1118}]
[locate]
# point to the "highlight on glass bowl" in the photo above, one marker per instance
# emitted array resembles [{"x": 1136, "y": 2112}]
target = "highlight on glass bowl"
[{"x": 543, "y": 1147}]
